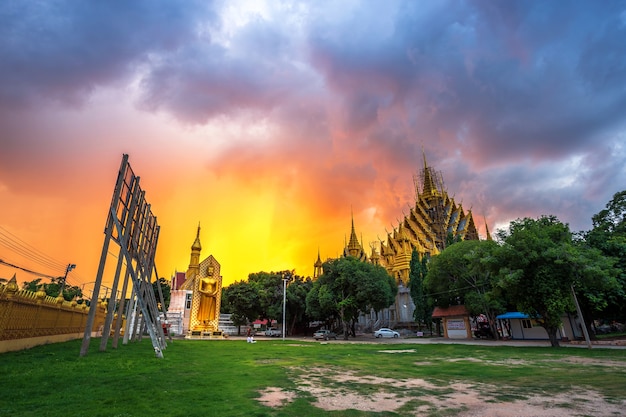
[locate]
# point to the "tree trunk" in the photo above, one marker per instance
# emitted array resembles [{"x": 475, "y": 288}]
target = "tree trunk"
[
  {"x": 344, "y": 324},
  {"x": 554, "y": 342}
]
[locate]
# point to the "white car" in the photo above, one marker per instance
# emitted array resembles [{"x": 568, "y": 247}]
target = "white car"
[
  {"x": 271, "y": 332},
  {"x": 385, "y": 332}
]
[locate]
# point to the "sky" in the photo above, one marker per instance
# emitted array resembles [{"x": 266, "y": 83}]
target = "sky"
[{"x": 273, "y": 124}]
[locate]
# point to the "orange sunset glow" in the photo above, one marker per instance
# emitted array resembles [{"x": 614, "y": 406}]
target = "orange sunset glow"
[{"x": 273, "y": 125}]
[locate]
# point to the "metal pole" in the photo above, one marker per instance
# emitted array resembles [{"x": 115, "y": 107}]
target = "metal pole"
[
  {"x": 582, "y": 320},
  {"x": 105, "y": 248},
  {"x": 67, "y": 270},
  {"x": 284, "y": 303}
]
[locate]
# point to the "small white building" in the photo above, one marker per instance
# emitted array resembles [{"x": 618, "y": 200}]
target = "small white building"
[{"x": 520, "y": 326}]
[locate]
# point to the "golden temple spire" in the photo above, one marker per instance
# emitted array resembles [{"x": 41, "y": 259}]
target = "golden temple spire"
[
  {"x": 317, "y": 266},
  {"x": 353, "y": 243},
  {"x": 354, "y": 248},
  {"x": 487, "y": 230},
  {"x": 194, "y": 261},
  {"x": 429, "y": 189},
  {"x": 196, "y": 244}
]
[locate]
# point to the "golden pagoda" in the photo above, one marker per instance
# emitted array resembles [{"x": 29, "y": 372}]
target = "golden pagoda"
[
  {"x": 354, "y": 247},
  {"x": 433, "y": 222}
]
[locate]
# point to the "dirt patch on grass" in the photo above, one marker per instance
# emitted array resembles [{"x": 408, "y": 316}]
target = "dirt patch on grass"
[
  {"x": 336, "y": 390},
  {"x": 276, "y": 397}
]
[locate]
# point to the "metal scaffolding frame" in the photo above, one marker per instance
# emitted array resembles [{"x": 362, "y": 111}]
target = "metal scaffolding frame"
[{"x": 132, "y": 226}]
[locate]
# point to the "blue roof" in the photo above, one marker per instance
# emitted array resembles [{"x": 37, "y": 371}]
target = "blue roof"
[{"x": 512, "y": 315}]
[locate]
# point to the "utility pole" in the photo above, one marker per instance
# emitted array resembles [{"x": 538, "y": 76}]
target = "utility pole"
[
  {"x": 286, "y": 277},
  {"x": 582, "y": 320},
  {"x": 67, "y": 270}
]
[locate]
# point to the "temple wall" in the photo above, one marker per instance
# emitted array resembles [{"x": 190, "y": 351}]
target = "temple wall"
[{"x": 29, "y": 319}]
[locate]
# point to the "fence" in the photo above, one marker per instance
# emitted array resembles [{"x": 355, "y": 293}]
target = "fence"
[{"x": 29, "y": 318}]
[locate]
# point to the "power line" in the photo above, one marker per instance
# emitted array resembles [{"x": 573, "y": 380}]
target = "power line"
[
  {"x": 26, "y": 269},
  {"x": 12, "y": 246},
  {"x": 24, "y": 249},
  {"x": 30, "y": 253}
]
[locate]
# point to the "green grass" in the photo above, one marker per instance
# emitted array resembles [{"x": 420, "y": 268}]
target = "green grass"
[{"x": 224, "y": 378}]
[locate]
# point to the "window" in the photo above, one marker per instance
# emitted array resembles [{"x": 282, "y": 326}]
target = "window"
[
  {"x": 188, "y": 301},
  {"x": 526, "y": 324}
]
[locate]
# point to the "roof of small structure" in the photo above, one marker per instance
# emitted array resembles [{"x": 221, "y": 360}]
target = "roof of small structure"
[
  {"x": 513, "y": 315},
  {"x": 452, "y": 311}
]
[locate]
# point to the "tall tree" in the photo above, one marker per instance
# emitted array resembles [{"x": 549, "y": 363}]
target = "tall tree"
[
  {"x": 609, "y": 236},
  {"x": 597, "y": 285},
  {"x": 539, "y": 266},
  {"x": 241, "y": 300},
  {"x": 417, "y": 275},
  {"x": 297, "y": 291},
  {"x": 269, "y": 287},
  {"x": 463, "y": 274},
  {"x": 348, "y": 287}
]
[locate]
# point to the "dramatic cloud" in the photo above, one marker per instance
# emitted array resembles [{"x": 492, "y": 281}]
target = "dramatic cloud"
[{"x": 271, "y": 122}]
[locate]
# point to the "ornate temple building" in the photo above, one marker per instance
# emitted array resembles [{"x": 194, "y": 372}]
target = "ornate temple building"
[
  {"x": 433, "y": 221},
  {"x": 204, "y": 281}
]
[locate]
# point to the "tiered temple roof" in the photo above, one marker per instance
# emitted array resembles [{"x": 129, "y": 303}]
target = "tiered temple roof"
[{"x": 434, "y": 221}]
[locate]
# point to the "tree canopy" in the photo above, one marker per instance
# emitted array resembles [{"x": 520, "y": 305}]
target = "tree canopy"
[
  {"x": 463, "y": 274},
  {"x": 53, "y": 288},
  {"x": 539, "y": 266},
  {"x": 349, "y": 287},
  {"x": 608, "y": 235},
  {"x": 241, "y": 300}
]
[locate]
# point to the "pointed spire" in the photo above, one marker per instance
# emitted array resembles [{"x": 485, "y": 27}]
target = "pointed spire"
[
  {"x": 11, "y": 286},
  {"x": 196, "y": 244},
  {"x": 487, "y": 230},
  {"x": 318, "y": 262},
  {"x": 429, "y": 189},
  {"x": 354, "y": 241},
  {"x": 318, "y": 265}
]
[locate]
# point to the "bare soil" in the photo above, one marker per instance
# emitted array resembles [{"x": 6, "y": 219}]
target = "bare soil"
[{"x": 336, "y": 390}]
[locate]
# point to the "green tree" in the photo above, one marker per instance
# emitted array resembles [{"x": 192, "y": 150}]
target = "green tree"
[
  {"x": 32, "y": 286},
  {"x": 417, "y": 275},
  {"x": 539, "y": 265},
  {"x": 297, "y": 290},
  {"x": 609, "y": 236},
  {"x": 166, "y": 291},
  {"x": 53, "y": 288},
  {"x": 348, "y": 287},
  {"x": 463, "y": 274},
  {"x": 269, "y": 286},
  {"x": 241, "y": 299},
  {"x": 597, "y": 286}
]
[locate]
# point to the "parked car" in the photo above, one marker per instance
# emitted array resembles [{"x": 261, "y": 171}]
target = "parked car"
[
  {"x": 272, "y": 332},
  {"x": 324, "y": 334},
  {"x": 385, "y": 332}
]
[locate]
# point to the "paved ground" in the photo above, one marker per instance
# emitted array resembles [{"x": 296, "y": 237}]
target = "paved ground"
[{"x": 368, "y": 338}]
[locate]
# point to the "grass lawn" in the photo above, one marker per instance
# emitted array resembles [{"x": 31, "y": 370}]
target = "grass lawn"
[{"x": 227, "y": 378}]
